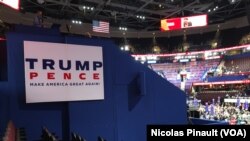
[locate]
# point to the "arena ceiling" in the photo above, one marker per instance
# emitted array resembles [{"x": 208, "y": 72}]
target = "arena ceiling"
[{"x": 142, "y": 15}]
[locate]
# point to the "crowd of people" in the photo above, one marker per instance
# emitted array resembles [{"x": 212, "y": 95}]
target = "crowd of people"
[
  {"x": 226, "y": 112},
  {"x": 234, "y": 113}
]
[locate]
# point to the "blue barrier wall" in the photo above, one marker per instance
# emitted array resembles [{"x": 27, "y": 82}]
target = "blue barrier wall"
[
  {"x": 30, "y": 116},
  {"x": 4, "y": 106},
  {"x": 128, "y": 107},
  {"x": 238, "y": 56},
  {"x": 227, "y": 78},
  {"x": 197, "y": 121}
]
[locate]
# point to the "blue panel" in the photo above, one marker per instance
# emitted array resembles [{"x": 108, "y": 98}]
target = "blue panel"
[
  {"x": 96, "y": 118},
  {"x": 196, "y": 121},
  {"x": 4, "y": 106},
  {"x": 141, "y": 82},
  {"x": 227, "y": 78},
  {"x": 238, "y": 56},
  {"x": 124, "y": 74},
  {"x": 135, "y": 111},
  {"x": 124, "y": 113},
  {"x": 30, "y": 116}
]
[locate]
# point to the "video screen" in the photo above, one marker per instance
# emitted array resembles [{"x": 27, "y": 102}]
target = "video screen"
[{"x": 183, "y": 22}]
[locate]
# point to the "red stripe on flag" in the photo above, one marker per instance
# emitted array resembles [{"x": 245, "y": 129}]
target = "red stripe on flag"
[{"x": 103, "y": 27}]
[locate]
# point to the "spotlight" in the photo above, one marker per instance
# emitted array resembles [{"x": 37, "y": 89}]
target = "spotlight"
[
  {"x": 156, "y": 49},
  {"x": 126, "y": 48},
  {"x": 143, "y": 58},
  {"x": 88, "y": 8},
  {"x": 40, "y": 1},
  {"x": 232, "y": 1},
  {"x": 123, "y": 28},
  {"x": 214, "y": 44},
  {"x": 76, "y": 22},
  {"x": 140, "y": 17}
]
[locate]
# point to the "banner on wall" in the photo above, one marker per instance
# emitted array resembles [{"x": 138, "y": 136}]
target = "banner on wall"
[
  {"x": 183, "y": 22},
  {"x": 62, "y": 72}
]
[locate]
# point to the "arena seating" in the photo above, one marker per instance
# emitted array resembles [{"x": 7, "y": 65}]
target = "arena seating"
[
  {"x": 195, "y": 70},
  {"x": 10, "y": 133},
  {"x": 207, "y": 96},
  {"x": 238, "y": 65},
  {"x": 14, "y": 134},
  {"x": 76, "y": 137},
  {"x": 47, "y": 135},
  {"x": 99, "y": 138},
  {"x": 20, "y": 134}
]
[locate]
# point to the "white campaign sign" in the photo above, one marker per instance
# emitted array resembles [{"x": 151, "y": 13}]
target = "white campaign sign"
[
  {"x": 62, "y": 72},
  {"x": 12, "y": 3}
]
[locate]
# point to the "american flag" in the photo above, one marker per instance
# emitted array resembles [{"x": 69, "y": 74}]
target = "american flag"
[{"x": 100, "y": 26}]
